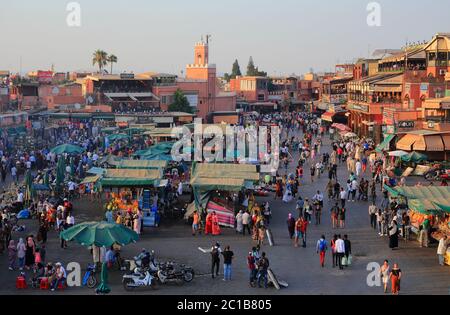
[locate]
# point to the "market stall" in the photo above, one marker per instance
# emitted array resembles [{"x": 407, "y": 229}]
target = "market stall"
[
  {"x": 213, "y": 185},
  {"x": 130, "y": 189},
  {"x": 426, "y": 202}
]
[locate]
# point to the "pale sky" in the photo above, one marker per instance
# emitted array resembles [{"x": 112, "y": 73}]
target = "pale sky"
[{"x": 283, "y": 36}]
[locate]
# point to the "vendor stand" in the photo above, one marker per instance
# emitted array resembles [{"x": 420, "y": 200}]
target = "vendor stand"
[
  {"x": 426, "y": 202},
  {"x": 130, "y": 189},
  {"x": 213, "y": 185}
]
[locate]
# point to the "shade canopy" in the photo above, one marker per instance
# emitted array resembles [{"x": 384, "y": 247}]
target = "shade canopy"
[
  {"x": 130, "y": 177},
  {"x": 67, "y": 148},
  {"x": 141, "y": 164},
  {"x": 424, "y": 199},
  {"x": 118, "y": 136},
  {"x": 100, "y": 234},
  {"x": 398, "y": 153}
]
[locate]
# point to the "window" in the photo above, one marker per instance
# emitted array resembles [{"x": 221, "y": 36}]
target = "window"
[
  {"x": 442, "y": 59},
  {"x": 261, "y": 97}
]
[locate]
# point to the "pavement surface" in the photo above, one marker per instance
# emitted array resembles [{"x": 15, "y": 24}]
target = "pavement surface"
[{"x": 298, "y": 266}]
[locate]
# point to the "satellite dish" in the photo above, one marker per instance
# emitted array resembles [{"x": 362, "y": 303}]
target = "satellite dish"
[
  {"x": 77, "y": 106},
  {"x": 55, "y": 90}
]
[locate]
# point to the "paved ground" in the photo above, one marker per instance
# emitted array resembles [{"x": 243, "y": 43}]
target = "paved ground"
[{"x": 298, "y": 266}]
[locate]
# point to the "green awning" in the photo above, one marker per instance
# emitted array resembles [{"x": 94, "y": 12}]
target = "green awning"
[{"x": 384, "y": 146}]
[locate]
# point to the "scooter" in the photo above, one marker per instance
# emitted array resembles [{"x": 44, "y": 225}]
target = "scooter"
[{"x": 138, "y": 279}]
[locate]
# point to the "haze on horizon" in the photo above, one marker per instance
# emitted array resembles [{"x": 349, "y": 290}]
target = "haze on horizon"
[{"x": 283, "y": 36}]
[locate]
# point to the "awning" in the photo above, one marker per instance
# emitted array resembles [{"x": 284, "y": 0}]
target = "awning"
[
  {"x": 328, "y": 116},
  {"x": 446, "y": 139},
  {"x": 406, "y": 142},
  {"x": 90, "y": 179},
  {"x": 434, "y": 143},
  {"x": 130, "y": 177},
  {"x": 420, "y": 144},
  {"x": 384, "y": 146}
]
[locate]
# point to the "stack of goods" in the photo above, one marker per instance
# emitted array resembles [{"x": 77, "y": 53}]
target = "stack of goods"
[{"x": 224, "y": 212}]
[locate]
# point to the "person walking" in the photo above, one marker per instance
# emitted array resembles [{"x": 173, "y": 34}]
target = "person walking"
[
  {"x": 395, "y": 276},
  {"x": 384, "y": 273},
  {"x": 348, "y": 250},
  {"x": 334, "y": 215},
  {"x": 342, "y": 213},
  {"x": 291, "y": 226},
  {"x": 321, "y": 249},
  {"x": 298, "y": 231},
  {"x": 227, "y": 260},
  {"x": 393, "y": 235},
  {"x": 263, "y": 266},
  {"x": 21, "y": 250},
  {"x": 333, "y": 250},
  {"x": 340, "y": 251},
  {"x": 215, "y": 260},
  {"x": 343, "y": 196},
  {"x": 442, "y": 249},
  {"x": 251, "y": 263},
  {"x": 12, "y": 255},
  {"x": 423, "y": 233},
  {"x": 239, "y": 225},
  {"x": 304, "y": 228},
  {"x": 373, "y": 215},
  {"x": 195, "y": 222},
  {"x": 246, "y": 223}
]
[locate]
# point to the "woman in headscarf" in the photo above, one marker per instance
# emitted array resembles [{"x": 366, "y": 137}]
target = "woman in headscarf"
[
  {"x": 215, "y": 224},
  {"x": 209, "y": 224},
  {"x": 239, "y": 224},
  {"x": 30, "y": 252},
  {"x": 21, "y": 249},
  {"x": 393, "y": 235},
  {"x": 291, "y": 225},
  {"x": 12, "y": 255}
]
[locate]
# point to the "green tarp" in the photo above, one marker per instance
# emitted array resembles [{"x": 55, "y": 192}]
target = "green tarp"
[
  {"x": 130, "y": 177},
  {"x": 414, "y": 157},
  {"x": 142, "y": 164},
  {"x": 424, "y": 199}
]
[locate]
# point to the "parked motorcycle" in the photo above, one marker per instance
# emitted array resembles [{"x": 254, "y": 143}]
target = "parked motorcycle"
[
  {"x": 138, "y": 279},
  {"x": 170, "y": 271},
  {"x": 90, "y": 279}
]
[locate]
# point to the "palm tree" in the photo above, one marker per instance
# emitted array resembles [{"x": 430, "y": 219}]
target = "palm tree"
[
  {"x": 112, "y": 59},
  {"x": 100, "y": 58}
]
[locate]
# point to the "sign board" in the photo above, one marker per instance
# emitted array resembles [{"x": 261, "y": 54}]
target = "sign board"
[
  {"x": 45, "y": 76},
  {"x": 406, "y": 124},
  {"x": 127, "y": 76},
  {"x": 363, "y": 108},
  {"x": 390, "y": 130},
  {"x": 424, "y": 87}
]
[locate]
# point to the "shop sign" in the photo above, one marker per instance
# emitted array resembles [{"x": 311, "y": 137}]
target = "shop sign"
[
  {"x": 406, "y": 124},
  {"x": 363, "y": 108},
  {"x": 390, "y": 129},
  {"x": 127, "y": 76}
]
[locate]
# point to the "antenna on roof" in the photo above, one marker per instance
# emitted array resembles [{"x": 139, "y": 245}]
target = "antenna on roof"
[{"x": 208, "y": 38}]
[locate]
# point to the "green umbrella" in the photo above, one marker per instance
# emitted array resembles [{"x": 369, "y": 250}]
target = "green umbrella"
[
  {"x": 118, "y": 136},
  {"x": 100, "y": 234},
  {"x": 414, "y": 157},
  {"x": 67, "y": 148},
  {"x": 103, "y": 288}
]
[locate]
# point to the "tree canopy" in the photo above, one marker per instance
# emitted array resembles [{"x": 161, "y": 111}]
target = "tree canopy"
[
  {"x": 253, "y": 71},
  {"x": 180, "y": 103}
]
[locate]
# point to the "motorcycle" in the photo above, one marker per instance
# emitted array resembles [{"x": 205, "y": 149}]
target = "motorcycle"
[
  {"x": 435, "y": 174},
  {"x": 138, "y": 279},
  {"x": 90, "y": 279},
  {"x": 171, "y": 272}
]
